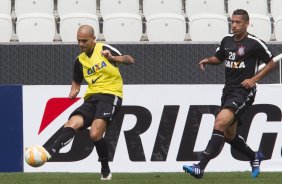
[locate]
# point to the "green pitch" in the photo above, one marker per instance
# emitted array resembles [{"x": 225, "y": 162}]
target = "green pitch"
[{"x": 140, "y": 178}]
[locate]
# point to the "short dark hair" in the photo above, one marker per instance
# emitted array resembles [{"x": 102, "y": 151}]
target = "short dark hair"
[{"x": 242, "y": 12}]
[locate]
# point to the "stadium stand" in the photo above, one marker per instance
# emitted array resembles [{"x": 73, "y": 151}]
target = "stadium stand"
[
  {"x": 278, "y": 28},
  {"x": 209, "y": 16},
  {"x": 275, "y": 8},
  {"x": 164, "y": 6},
  {"x": 6, "y": 30},
  {"x": 122, "y": 27},
  {"x": 75, "y": 6},
  {"x": 69, "y": 14},
  {"x": 252, "y": 6},
  {"x": 260, "y": 25},
  {"x": 160, "y": 18},
  {"x": 121, "y": 20},
  {"x": 35, "y": 27},
  {"x": 166, "y": 27},
  {"x": 35, "y": 20},
  {"x": 71, "y": 21},
  {"x": 208, "y": 27},
  {"x": 34, "y": 6},
  {"x": 194, "y": 7},
  {"x": 118, "y": 6},
  {"x": 5, "y": 7},
  {"x": 72, "y": 14}
]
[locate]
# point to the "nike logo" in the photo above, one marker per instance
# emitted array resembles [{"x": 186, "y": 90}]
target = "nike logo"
[
  {"x": 94, "y": 80},
  {"x": 107, "y": 113},
  {"x": 235, "y": 104}
]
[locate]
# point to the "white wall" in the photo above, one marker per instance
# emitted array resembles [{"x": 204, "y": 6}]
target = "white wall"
[{"x": 153, "y": 97}]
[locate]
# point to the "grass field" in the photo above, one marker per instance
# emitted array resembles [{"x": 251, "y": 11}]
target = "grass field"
[{"x": 140, "y": 178}]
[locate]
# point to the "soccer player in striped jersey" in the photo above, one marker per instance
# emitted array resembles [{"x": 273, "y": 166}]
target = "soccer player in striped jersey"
[
  {"x": 97, "y": 64},
  {"x": 241, "y": 53}
]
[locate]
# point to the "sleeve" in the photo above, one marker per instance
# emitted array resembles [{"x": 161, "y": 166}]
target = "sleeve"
[
  {"x": 77, "y": 72},
  {"x": 219, "y": 53},
  {"x": 113, "y": 50},
  {"x": 263, "y": 52}
]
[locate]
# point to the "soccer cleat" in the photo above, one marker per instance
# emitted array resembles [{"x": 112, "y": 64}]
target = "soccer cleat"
[
  {"x": 194, "y": 170},
  {"x": 255, "y": 164},
  {"x": 46, "y": 153},
  {"x": 106, "y": 174}
]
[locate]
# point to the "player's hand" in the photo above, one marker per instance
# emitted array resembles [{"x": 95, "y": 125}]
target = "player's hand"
[
  {"x": 73, "y": 94},
  {"x": 202, "y": 64},
  {"x": 248, "y": 83},
  {"x": 107, "y": 54}
]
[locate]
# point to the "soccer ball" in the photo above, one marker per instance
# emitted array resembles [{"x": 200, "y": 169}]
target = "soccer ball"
[{"x": 36, "y": 156}]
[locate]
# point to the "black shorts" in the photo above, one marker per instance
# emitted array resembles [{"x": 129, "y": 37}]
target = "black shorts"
[
  {"x": 98, "y": 106},
  {"x": 238, "y": 99}
]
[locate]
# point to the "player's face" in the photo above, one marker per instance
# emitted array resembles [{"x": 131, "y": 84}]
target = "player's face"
[
  {"x": 85, "y": 41},
  {"x": 239, "y": 25}
]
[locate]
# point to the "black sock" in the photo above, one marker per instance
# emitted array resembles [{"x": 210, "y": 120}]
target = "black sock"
[
  {"x": 213, "y": 149},
  {"x": 65, "y": 137},
  {"x": 240, "y": 145},
  {"x": 102, "y": 151}
]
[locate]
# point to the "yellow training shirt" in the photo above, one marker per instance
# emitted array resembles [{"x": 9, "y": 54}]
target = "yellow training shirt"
[{"x": 101, "y": 75}]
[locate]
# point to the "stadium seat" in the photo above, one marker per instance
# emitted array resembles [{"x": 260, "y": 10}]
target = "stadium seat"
[
  {"x": 208, "y": 27},
  {"x": 34, "y": 6},
  {"x": 252, "y": 6},
  {"x": 74, "y": 13},
  {"x": 161, "y": 6},
  {"x": 5, "y": 7},
  {"x": 70, "y": 23},
  {"x": 35, "y": 27},
  {"x": 119, "y": 6},
  {"x": 6, "y": 28},
  {"x": 276, "y": 8},
  {"x": 122, "y": 27},
  {"x": 260, "y": 26},
  {"x": 75, "y": 6},
  {"x": 166, "y": 28},
  {"x": 194, "y": 7},
  {"x": 278, "y": 28}
]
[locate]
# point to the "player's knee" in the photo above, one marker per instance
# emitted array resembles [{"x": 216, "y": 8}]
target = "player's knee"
[
  {"x": 74, "y": 122},
  {"x": 75, "y": 126},
  {"x": 219, "y": 125},
  {"x": 95, "y": 136},
  {"x": 68, "y": 124}
]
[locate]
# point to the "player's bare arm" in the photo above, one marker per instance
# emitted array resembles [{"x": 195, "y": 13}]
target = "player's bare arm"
[
  {"x": 211, "y": 60},
  {"x": 249, "y": 83},
  {"x": 75, "y": 88},
  {"x": 124, "y": 59}
]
